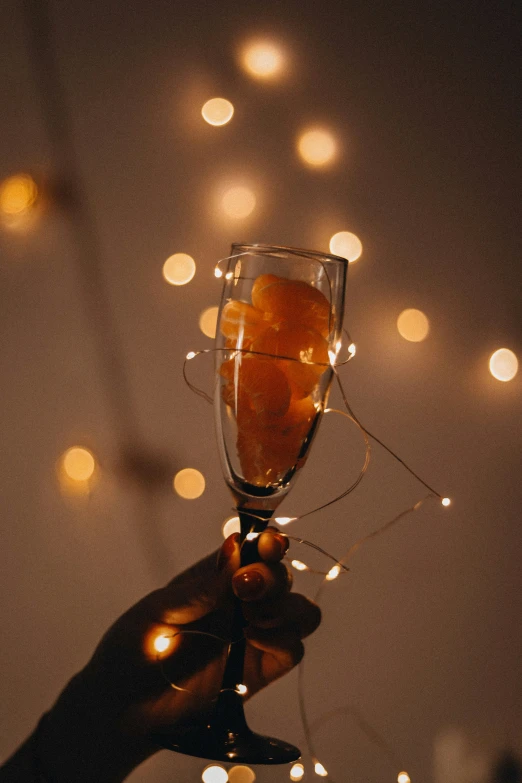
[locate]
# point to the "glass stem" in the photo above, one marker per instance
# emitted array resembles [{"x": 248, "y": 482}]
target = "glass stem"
[{"x": 230, "y": 702}]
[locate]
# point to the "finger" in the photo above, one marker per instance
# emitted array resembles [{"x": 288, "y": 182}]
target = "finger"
[
  {"x": 294, "y": 612},
  {"x": 203, "y": 587},
  {"x": 272, "y": 545},
  {"x": 261, "y": 580},
  {"x": 269, "y": 655}
]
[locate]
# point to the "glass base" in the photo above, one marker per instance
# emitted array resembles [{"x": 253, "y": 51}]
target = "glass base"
[{"x": 245, "y": 747}]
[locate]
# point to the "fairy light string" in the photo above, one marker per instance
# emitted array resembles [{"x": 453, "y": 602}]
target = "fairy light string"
[{"x": 340, "y": 564}]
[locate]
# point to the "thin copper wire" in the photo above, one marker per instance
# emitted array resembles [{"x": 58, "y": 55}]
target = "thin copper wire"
[
  {"x": 365, "y": 727},
  {"x": 159, "y": 660}
]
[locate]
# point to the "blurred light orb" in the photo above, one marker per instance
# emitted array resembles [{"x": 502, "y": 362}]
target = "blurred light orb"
[
  {"x": 238, "y": 202},
  {"x": 262, "y": 59},
  {"x": 346, "y": 245},
  {"x": 284, "y": 520},
  {"x": 17, "y": 194},
  {"x": 241, "y": 774},
  {"x": 231, "y": 525},
  {"x": 214, "y": 774},
  {"x": 217, "y": 111},
  {"x": 317, "y": 147},
  {"x": 320, "y": 770},
  {"x": 333, "y": 573},
  {"x": 179, "y": 269},
  {"x": 446, "y": 501},
  {"x": 78, "y": 463},
  {"x": 161, "y": 643},
  {"x": 189, "y": 483},
  {"x": 208, "y": 321},
  {"x": 403, "y": 777},
  {"x": 241, "y": 689},
  {"x": 503, "y": 365},
  {"x": 413, "y": 325},
  {"x": 297, "y": 772}
]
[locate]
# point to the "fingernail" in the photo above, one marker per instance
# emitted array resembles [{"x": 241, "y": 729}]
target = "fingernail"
[
  {"x": 283, "y": 541},
  {"x": 227, "y": 550},
  {"x": 248, "y": 585}
]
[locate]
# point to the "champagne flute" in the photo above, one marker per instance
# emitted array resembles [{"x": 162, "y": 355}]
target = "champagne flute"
[{"x": 279, "y": 330}]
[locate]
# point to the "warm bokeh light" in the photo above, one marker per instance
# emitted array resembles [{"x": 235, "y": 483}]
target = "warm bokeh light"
[
  {"x": 262, "y": 59},
  {"x": 297, "y": 772},
  {"x": 346, "y": 245},
  {"x": 320, "y": 770},
  {"x": 285, "y": 520},
  {"x": 179, "y": 269},
  {"x": 78, "y": 463},
  {"x": 241, "y": 689},
  {"x": 238, "y": 202},
  {"x": 503, "y": 365},
  {"x": 231, "y": 525},
  {"x": 241, "y": 774},
  {"x": 403, "y": 777},
  {"x": 161, "y": 643},
  {"x": 214, "y": 774},
  {"x": 189, "y": 483},
  {"x": 217, "y": 111},
  {"x": 17, "y": 194},
  {"x": 413, "y": 325},
  {"x": 317, "y": 147},
  {"x": 299, "y": 566},
  {"x": 208, "y": 321},
  {"x": 333, "y": 573},
  {"x": 445, "y": 501}
]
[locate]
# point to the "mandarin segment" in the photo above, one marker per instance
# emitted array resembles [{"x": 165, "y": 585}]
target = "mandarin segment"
[
  {"x": 260, "y": 284},
  {"x": 240, "y": 321},
  {"x": 306, "y": 353},
  {"x": 294, "y": 301}
]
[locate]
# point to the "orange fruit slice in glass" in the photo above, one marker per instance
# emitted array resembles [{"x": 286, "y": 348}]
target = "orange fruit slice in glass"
[{"x": 292, "y": 300}]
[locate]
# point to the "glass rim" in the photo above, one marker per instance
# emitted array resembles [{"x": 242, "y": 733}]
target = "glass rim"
[{"x": 295, "y": 251}]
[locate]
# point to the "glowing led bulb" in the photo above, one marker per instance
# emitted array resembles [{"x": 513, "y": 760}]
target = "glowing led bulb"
[
  {"x": 214, "y": 774},
  {"x": 17, "y": 194},
  {"x": 217, "y": 111},
  {"x": 179, "y": 269},
  {"x": 346, "y": 245},
  {"x": 189, "y": 483},
  {"x": 242, "y": 689},
  {"x": 208, "y": 321},
  {"x": 262, "y": 59},
  {"x": 285, "y": 520},
  {"x": 445, "y": 501},
  {"x": 317, "y": 147},
  {"x": 238, "y": 202},
  {"x": 297, "y": 772},
  {"x": 333, "y": 573},
  {"x": 161, "y": 643},
  {"x": 299, "y": 566},
  {"x": 78, "y": 463},
  {"x": 403, "y": 777},
  {"x": 320, "y": 770},
  {"x": 351, "y": 349},
  {"x": 218, "y": 272},
  {"x": 190, "y": 355},
  {"x": 413, "y": 325},
  {"x": 252, "y": 536},
  {"x": 241, "y": 774},
  {"x": 231, "y": 525},
  {"x": 503, "y": 365}
]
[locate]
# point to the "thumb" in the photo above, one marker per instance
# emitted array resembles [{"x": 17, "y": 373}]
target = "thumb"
[{"x": 204, "y": 587}]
